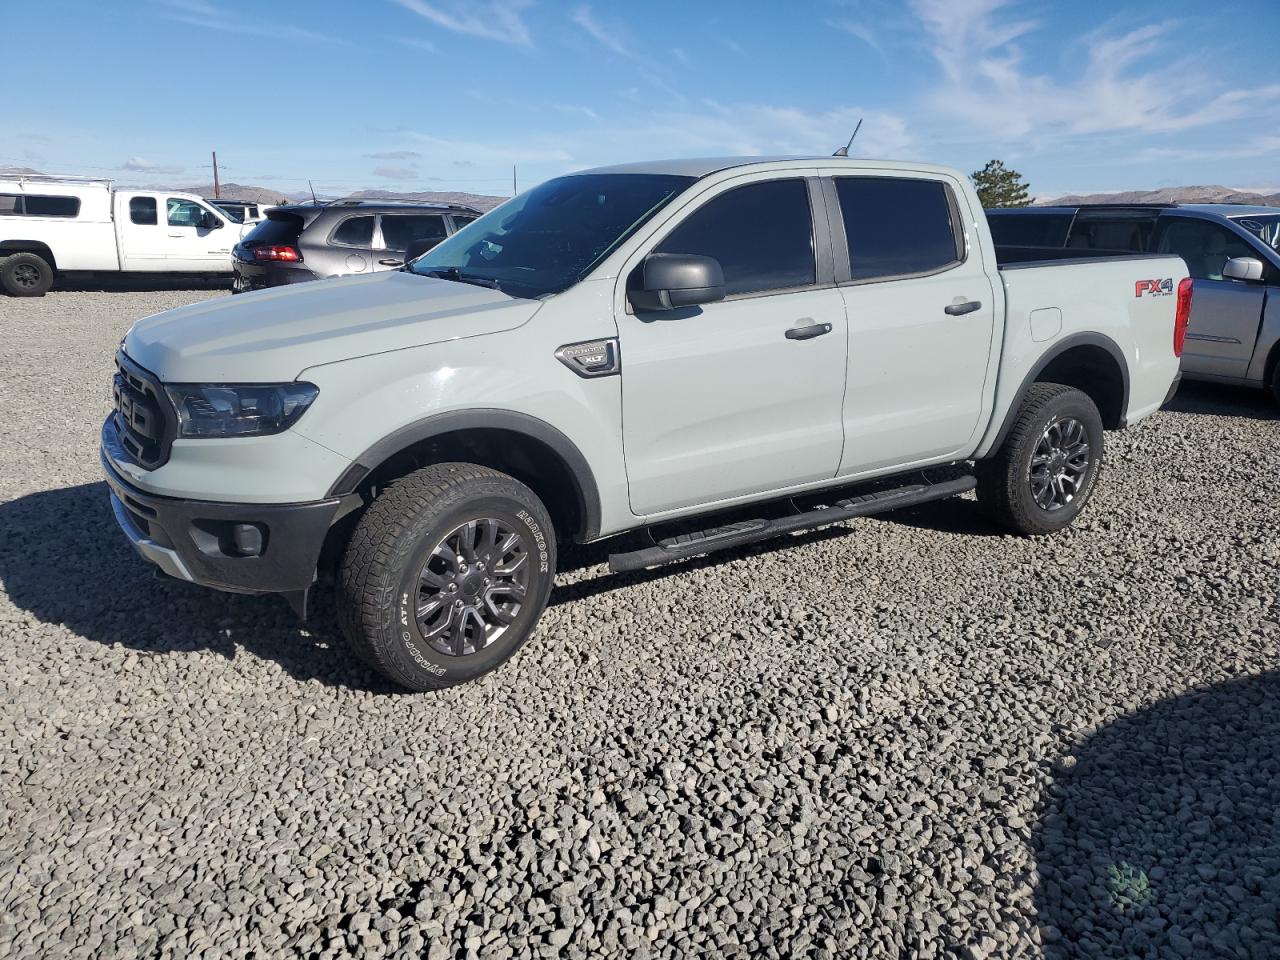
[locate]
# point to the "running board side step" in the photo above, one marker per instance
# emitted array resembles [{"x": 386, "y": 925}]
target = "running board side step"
[{"x": 749, "y": 531}]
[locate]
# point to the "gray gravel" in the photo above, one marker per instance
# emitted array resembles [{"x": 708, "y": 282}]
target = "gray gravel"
[{"x": 910, "y": 736}]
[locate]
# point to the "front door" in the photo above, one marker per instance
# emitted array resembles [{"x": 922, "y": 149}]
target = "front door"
[
  {"x": 921, "y": 319},
  {"x": 398, "y": 230},
  {"x": 719, "y": 401},
  {"x": 192, "y": 243},
  {"x": 1225, "y": 314}
]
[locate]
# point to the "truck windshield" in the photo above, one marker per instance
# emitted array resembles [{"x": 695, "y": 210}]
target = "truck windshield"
[
  {"x": 545, "y": 240},
  {"x": 1265, "y": 228}
]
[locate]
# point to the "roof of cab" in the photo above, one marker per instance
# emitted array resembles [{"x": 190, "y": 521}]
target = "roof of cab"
[{"x": 699, "y": 167}]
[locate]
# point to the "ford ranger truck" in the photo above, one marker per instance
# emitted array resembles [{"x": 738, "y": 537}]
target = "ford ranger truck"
[{"x": 711, "y": 351}]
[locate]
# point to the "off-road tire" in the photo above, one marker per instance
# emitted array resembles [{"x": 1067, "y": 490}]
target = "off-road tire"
[
  {"x": 1004, "y": 480},
  {"x": 394, "y": 540},
  {"x": 25, "y": 275}
]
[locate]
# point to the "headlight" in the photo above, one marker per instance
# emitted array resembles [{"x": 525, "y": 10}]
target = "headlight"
[{"x": 239, "y": 410}]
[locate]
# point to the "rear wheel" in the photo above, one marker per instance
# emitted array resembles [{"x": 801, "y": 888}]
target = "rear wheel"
[
  {"x": 446, "y": 575},
  {"x": 1045, "y": 472},
  {"x": 25, "y": 275}
]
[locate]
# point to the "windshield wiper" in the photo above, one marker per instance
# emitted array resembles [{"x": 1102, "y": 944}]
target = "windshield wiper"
[{"x": 453, "y": 273}]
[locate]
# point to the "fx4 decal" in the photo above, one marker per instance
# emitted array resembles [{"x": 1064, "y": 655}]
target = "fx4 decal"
[{"x": 1157, "y": 288}]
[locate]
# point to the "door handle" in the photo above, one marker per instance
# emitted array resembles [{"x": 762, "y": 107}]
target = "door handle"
[
  {"x": 960, "y": 308},
  {"x": 391, "y": 263},
  {"x": 808, "y": 331}
]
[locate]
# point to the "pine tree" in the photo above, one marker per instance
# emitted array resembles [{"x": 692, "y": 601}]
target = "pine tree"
[{"x": 998, "y": 186}]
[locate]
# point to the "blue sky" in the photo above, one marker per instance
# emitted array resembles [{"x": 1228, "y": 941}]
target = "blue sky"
[{"x": 440, "y": 94}]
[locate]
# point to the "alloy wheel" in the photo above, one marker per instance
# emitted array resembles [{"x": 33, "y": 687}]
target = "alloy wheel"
[
  {"x": 1060, "y": 464},
  {"x": 472, "y": 586}
]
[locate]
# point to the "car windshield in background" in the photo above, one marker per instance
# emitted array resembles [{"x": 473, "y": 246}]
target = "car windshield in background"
[
  {"x": 1265, "y": 228},
  {"x": 544, "y": 241}
]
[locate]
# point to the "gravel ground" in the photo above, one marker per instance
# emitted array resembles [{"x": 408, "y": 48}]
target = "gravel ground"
[{"x": 902, "y": 737}]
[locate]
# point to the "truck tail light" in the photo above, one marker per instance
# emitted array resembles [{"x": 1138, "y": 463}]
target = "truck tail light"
[
  {"x": 1182, "y": 316},
  {"x": 277, "y": 252}
]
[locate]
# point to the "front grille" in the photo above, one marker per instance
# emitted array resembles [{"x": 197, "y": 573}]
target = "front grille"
[{"x": 144, "y": 416}]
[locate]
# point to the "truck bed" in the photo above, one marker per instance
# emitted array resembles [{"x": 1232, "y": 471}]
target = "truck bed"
[{"x": 1012, "y": 256}]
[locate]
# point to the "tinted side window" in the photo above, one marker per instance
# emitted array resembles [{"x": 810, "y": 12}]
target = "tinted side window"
[
  {"x": 399, "y": 228},
  {"x": 895, "y": 226},
  {"x": 37, "y": 206},
  {"x": 762, "y": 234},
  {"x": 460, "y": 222},
  {"x": 1119, "y": 233},
  {"x": 355, "y": 232},
  {"x": 1205, "y": 246},
  {"x": 1029, "y": 229},
  {"x": 142, "y": 210},
  {"x": 10, "y": 204}
]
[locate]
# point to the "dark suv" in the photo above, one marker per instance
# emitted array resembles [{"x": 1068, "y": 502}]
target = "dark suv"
[{"x": 310, "y": 241}]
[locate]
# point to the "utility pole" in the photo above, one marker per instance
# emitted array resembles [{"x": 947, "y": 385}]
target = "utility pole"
[
  {"x": 217, "y": 186},
  {"x": 514, "y": 188}
]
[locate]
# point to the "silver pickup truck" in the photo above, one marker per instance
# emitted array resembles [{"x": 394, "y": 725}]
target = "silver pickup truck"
[
  {"x": 710, "y": 351},
  {"x": 1232, "y": 252}
]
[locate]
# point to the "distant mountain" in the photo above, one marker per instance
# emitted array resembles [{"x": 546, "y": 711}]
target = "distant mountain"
[
  {"x": 1168, "y": 195},
  {"x": 240, "y": 191},
  {"x": 17, "y": 171}
]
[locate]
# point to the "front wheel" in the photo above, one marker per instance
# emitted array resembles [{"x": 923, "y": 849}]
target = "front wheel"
[
  {"x": 446, "y": 575},
  {"x": 1043, "y": 475}
]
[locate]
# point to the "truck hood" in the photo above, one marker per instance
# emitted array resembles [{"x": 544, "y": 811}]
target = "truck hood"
[{"x": 272, "y": 335}]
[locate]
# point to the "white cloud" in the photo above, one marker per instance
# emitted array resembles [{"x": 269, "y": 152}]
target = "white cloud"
[
  {"x": 500, "y": 20},
  {"x": 208, "y": 16},
  {"x": 394, "y": 155},
  {"x": 1126, "y": 82},
  {"x": 606, "y": 37},
  {"x": 395, "y": 173},
  {"x": 142, "y": 165}
]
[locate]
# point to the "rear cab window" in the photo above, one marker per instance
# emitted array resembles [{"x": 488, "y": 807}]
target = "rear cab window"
[
  {"x": 142, "y": 211},
  {"x": 897, "y": 227}
]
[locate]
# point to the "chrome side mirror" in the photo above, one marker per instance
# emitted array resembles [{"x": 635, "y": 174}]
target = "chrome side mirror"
[{"x": 1242, "y": 268}]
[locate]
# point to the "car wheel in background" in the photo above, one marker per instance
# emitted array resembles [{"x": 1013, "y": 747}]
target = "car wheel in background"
[
  {"x": 25, "y": 275},
  {"x": 1043, "y": 475},
  {"x": 446, "y": 575}
]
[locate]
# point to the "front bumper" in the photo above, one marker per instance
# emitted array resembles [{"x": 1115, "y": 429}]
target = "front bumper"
[{"x": 238, "y": 547}]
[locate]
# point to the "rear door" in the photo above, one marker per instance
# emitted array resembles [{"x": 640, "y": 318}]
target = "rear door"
[
  {"x": 742, "y": 396},
  {"x": 397, "y": 230},
  {"x": 143, "y": 235},
  {"x": 921, "y": 318},
  {"x": 351, "y": 244},
  {"x": 1225, "y": 314}
]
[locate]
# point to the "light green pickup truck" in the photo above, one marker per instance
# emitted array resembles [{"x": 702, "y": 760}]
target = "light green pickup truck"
[{"x": 715, "y": 351}]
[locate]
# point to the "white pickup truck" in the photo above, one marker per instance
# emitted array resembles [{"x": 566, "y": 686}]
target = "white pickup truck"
[
  {"x": 58, "y": 225},
  {"x": 796, "y": 341}
]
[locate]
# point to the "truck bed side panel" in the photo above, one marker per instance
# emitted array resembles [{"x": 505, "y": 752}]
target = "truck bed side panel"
[{"x": 1049, "y": 304}]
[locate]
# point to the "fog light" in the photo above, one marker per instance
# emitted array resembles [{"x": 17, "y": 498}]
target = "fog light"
[{"x": 247, "y": 538}]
